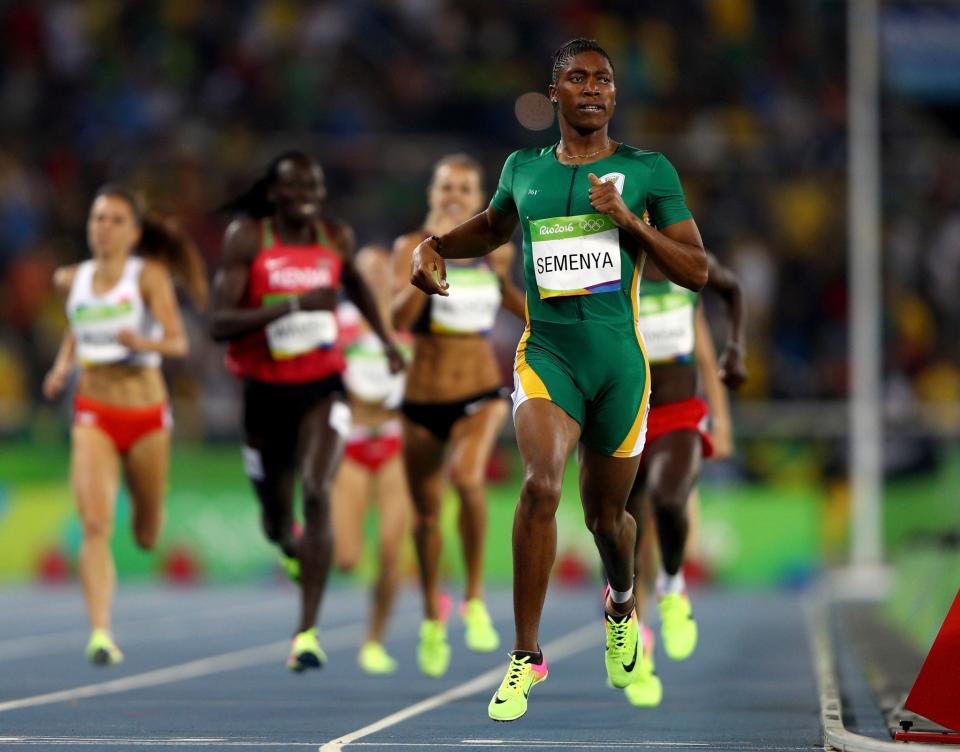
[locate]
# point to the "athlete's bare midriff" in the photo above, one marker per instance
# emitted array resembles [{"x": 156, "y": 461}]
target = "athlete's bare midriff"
[
  {"x": 450, "y": 368},
  {"x": 672, "y": 383},
  {"x": 369, "y": 414},
  {"x": 122, "y": 385}
]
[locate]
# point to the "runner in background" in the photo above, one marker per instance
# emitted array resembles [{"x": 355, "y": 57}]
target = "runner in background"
[
  {"x": 123, "y": 319},
  {"x": 680, "y": 349},
  {"x": 454, "y": 402},
  {"x": 283, "y": 267},
  {"x": 371, "y": 473}
]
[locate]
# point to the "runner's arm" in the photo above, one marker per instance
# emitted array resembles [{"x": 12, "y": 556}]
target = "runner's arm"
[
  {"x": 715, "y": 392},
  {"x": 59, "y": 374},
  {"x": 408, "y": 301},
  {"x": 156, "y": 287},
  {"x": 514, "y": 299},
  {"x": 474, "y": 238},
  {"x": 360, "y": 295},
  {"x": 732, "y": 362}
]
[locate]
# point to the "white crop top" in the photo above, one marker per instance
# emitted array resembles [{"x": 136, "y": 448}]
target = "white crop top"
[{"x": 97, "y": 319}]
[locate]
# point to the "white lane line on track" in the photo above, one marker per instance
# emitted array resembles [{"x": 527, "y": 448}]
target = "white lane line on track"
[
  {"x": 339, "y": 637},
  {"x": 194, "y": 742},
  {"x": 155, "y": 628},
  {"x": 570, "y": 644}
]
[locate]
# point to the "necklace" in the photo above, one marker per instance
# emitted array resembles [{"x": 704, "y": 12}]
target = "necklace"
[{"x": 568, "y": 155}]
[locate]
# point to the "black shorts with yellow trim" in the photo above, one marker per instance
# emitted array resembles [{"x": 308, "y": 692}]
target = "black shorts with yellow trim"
[{"x": 597, "y": 372}]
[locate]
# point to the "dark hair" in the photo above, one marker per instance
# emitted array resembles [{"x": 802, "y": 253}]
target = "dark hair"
[
  {"x": 253, "y": 202},
  {"x": 569, "y": 50},
  {"x": 163, "y": 240}
]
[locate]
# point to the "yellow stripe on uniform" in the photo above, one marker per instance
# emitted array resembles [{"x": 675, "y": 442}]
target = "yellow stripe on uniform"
[
  {"x": 629, "y": 446},
  {"x": 530, "y": 383}
]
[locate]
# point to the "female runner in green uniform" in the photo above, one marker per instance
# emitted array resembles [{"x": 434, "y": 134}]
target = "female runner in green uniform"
[{"x": 581, "y": 375}]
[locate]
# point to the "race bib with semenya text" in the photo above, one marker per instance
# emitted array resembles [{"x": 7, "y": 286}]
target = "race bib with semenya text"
[{"x": 578, "y": 255}]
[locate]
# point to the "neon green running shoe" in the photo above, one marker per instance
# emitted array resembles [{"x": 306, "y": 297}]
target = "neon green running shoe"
[
  {"x": 291, "y": 565},
  {"x": 305, "y": 652},
  {"x": 480, "y": 635},
  {"x": 678, "y": 629},
  {"x": 623, "y": 648},
  {"x": 509, "y": 702},
  {"x": 646, "y": 691},
  {"x": 433, "y": 652},
  {"x": 375, "y": 660},
  {"x": 102, "y": 650}
]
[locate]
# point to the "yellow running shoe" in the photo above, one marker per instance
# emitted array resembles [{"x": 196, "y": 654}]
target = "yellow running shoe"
[
  {"x": 375, "y": 660},
  {"x": 623, "y": 648},
  {"x": 291, "y": 565},
  {"x": 433, "y": 652},
  {"x": 646, "y": 691},
  {"x": 305, "y": 652},
  {"x": 678, "y": 629},
  {"x": 509, "y": 702},
  {"x": 480, "y": 635},
  {"x": 102, "y": 650}
]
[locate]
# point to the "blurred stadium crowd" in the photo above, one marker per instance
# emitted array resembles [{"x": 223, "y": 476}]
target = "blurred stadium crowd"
[{"x": 186, "y": 101}]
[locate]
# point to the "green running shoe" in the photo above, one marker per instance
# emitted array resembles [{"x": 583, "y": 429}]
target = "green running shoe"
[
  {"x": 375, "y": 660},
  {"x": 678, "y": 629},
  {"x": 305, "y": 652},
  {"x": 102, "y": 650},
  {"x": 509, "y": 702},
  {"x": 291, "y": 565},
  {"x": 480, "y": 634},
  {"x": 623, "y": 649},
  {"x": 646, "y": 691},
  {"x": 433, "y": 652}
]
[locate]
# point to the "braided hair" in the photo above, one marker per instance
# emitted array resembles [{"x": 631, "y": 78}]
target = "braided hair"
[{"x": 569, "y": 50}]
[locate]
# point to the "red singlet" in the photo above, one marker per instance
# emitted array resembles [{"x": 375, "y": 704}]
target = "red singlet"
[{"x": 301, "y": 346}]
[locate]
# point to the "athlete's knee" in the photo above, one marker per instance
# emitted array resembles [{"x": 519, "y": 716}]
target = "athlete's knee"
[
  {"x": 467, "y": 481},
  {"x": 540, "y": 496},
  {"x": 604, "y": 523},
  {"x": 670, "y": 504},
  {"x": 346, "y": 562},
  {"x": 96, "y": 528}
]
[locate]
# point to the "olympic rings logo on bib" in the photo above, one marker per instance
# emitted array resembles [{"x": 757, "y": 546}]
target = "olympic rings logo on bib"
[{"x": 578, "y": 255}]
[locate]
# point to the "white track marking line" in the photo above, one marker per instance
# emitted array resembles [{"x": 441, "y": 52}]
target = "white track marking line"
[
  {"x": 570, "y": 644},
  {"x": 343, "y": 636},
  {"x": 194, "y": 742},
  {"x": 30, "y": 645}
]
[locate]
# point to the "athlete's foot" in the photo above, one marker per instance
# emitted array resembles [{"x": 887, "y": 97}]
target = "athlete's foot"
[
  {"x": 433, "y": 652},
  {"x": 678, "y": 629},
  {"x": 509, "y": 702},
  {"x": 291, "y": 565},
  {"x": 305, "y": 652},
  {"x": 622, "y": 649},
  {"x": 480, "y": 635},
  {"x": 646, "y": 691},
  {"x": 375, "y": 660},
  {"x": 102, "y": 650}
]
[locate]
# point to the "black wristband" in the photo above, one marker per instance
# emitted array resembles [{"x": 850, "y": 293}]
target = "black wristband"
[{"x": 437, "y": 243}]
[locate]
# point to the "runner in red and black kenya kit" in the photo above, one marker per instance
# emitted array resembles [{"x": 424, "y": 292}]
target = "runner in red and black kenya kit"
[{"x": 274, "y": 298}]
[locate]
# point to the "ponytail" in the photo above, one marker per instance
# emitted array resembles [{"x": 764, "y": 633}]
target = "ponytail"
[{"x": 163, "y": 240}]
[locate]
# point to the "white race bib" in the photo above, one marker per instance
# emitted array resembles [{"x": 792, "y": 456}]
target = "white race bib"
[
  {"x": 472, "y": 305},
  {"x": 301, "y": 332},
  {"x": 668, "y": 331},
  {"x": 578, "y": 255},
  {"x": 368, "y": 376}
]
